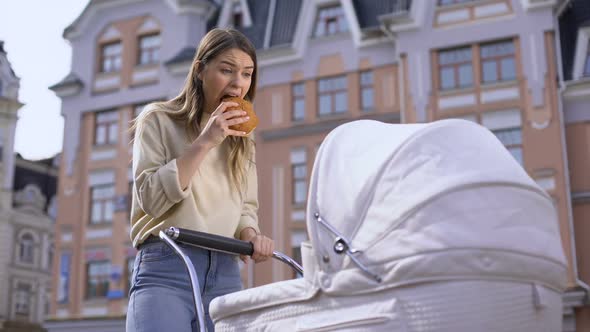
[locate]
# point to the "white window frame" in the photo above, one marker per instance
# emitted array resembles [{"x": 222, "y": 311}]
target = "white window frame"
[
  {"x": 328, "y": 6},
  {"x": 102, "y": 202},
  {"x": 295, "y": 98},
  {"x": 298, "y": 158},
  {"x": 581, "y": 53},
  {"x": 34, "y": 249},
  {"x": 108, "y": 121},
  {"x": 153, "y": 51},
  {"x": 504, "y": 120}
]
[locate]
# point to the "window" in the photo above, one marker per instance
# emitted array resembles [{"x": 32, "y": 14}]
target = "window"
[
  {"x": 299, "y": 175},
  {"x": 102, "y": 203},
  {"x": 455, "y": 68},
  {"x": 452, "y": 2},
  {"x": 367, "y": 94},
  {"x": 22, "y": 299},
  {"x": 330, "y": 21},
  {"x": 498, "y": 62},
  {"x": 106, "y": 128},
  {"x": 332, "y": 95},
  {"x": 586, "y": 64},
  {"x": 110, "y": 57},
  {"x": 97, "y": 279},
  {"x": 26, "y": 253},
  {"x": 298, "y": 91},
  {"x": 149, "y": 49},
  {"x": 512, "y": 140},
  {"x": 64, "y": 278}
]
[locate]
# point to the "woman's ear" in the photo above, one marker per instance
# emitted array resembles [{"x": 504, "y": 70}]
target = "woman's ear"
[{"x": 199, "y": 70}]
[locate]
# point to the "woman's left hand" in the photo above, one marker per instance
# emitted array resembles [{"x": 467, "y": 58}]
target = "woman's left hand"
[{"x": 263, "y": 246}]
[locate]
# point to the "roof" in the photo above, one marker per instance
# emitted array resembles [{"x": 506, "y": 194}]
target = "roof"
[
  {"x": 186, "y": 54},
  {"x": 576, "y": 16},
  {"x": 285, "y": 15},
  {"x": 368, "y": 11},
  {"x": 259, "y": 9},
  {"x": 285, "y": 21},
  {"x": 89, "y": 11},
  {"x": 70, "y": 79}
]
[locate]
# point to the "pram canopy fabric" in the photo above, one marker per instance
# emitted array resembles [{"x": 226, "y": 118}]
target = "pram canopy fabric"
[{"x": 443, "y": 200}]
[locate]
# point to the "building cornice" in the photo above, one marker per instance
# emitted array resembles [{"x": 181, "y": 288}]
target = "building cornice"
[
  {"x": 69, "y": 86},
  {"x": 179, "y": 7},
  {"x": 538, "y": 4},
  {"x": 322, "y": 126},
  {"x": 577, "y": 89},
  {"x": 581, "y": 196}
]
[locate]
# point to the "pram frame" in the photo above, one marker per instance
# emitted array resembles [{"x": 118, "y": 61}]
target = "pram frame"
[{"x": 172, "y": 235}]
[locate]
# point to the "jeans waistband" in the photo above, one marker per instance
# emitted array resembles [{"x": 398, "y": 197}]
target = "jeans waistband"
[{"x": 150, "y": 239}]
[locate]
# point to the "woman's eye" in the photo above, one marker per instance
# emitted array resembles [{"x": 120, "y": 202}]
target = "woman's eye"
[
  {"x": 226, "y": 71},
  {"x": 248, "y": 75}
]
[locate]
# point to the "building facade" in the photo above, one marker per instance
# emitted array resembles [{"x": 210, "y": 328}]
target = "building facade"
[
  {"x": 573, "y": 19},
  {"x": 27, "y": 215},
  {"x": 321, "y": 63}
]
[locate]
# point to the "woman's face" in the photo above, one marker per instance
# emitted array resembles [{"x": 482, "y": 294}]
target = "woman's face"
[{"x": 228, "y": 74}]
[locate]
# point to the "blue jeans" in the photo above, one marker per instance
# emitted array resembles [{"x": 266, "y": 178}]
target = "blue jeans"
[{"x": 160, "y": 298}]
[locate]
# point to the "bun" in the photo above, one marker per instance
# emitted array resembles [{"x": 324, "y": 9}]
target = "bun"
[{"x": 246, "y": 106}]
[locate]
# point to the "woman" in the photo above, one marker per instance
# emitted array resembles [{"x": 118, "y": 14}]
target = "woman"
[{"x": 192, "y": 171}]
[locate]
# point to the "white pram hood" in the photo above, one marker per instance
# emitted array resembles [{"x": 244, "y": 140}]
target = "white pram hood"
[{"x": 426, "y": 202}]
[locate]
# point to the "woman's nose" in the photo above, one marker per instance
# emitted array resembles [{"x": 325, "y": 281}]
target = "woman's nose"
[{"x": 238, "y": 81}]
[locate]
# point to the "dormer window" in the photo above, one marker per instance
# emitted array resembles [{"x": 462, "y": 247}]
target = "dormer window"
[
  {"x": 330, "y": 21},
  {"x": 110, "y": 57},
  {"x": 237, "y": 14}
]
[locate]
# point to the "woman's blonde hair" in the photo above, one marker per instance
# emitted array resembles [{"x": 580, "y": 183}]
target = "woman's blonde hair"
[{"x": 188, "y": 106}]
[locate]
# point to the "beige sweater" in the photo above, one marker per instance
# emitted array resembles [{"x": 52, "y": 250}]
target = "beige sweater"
[{"x": 210, "y": 203}]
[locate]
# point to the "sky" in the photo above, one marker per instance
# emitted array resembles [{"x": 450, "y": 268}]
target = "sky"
[{"x": 32, "y": 34}]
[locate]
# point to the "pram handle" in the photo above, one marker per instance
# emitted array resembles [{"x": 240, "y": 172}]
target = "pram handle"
[
  {"x": 224, "y": 244},
  {"x": 211, "y": 241}
]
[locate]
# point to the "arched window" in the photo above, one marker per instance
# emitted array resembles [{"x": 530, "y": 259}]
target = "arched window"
[{"x": 26, "y": 246}]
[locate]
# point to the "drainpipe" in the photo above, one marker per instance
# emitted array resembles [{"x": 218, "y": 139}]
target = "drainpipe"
[
  {"x": 392, "y": 38},
  {"x": 561, "y": 91}
]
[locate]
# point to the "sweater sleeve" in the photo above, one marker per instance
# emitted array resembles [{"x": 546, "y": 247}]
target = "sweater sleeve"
[
  {"x": 156, "y": 181},
  {"x": 249, "y": 215}
]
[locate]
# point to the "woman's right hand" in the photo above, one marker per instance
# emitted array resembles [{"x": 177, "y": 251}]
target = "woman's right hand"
[{"x": 217, "y": 128}]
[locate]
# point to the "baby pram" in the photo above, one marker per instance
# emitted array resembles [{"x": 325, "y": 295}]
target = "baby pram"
[{"x": 415, "y": 228}]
